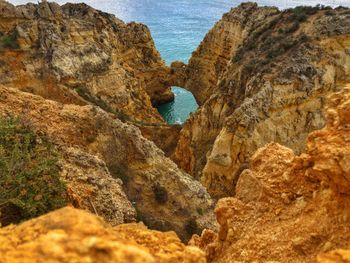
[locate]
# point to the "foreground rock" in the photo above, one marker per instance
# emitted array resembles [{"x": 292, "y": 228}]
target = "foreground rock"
[
  {"x": 260, "y": 75},
  {"x": 76, "y": 54},
  {"x": 99, "y": 152},
  {"x": 70, "y": 235},
  {"x": 290, "y": 208},
  {"x": 336, "y": 256}
]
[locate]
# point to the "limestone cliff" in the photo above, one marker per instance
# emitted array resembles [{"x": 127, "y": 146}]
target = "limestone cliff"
[
  {"x": 290, "y": 208},
  {"x": 70, "y": 235},
  {"x": 260, "y": 75},
  {"x": 76, "y": 54},
  {"x": 99, "y": 152}
]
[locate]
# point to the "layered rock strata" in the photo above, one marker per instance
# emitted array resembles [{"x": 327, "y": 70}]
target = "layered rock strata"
[
  {"x": 290, "y": 208},
  {"x": 260, "y": 75},
  {"x": 99, "y": 152},
  {"x": 76, "y": 54}
]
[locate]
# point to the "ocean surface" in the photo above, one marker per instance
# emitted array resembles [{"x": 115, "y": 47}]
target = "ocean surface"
[{"x": 177, "y": 27}]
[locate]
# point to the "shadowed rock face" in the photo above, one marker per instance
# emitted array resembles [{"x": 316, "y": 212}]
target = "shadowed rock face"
[
  {"x": 71, "y": 235},
  {"x": 108, "y": 152},
  {"x": 290, "y": 208},
  {"x": 76, "y": 54},
  {"x": 260, "y": 75}
]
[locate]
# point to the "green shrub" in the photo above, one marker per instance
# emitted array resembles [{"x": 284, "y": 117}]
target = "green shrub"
[
  {"x": 9, "y": 42},
  {"x": 200, "y": 211},
  {"x": 29, "y": 174},
  {"x": 160, "y": 194},
  {"x": 301, "y": 13},
  {"x": 238, "y": 56}
]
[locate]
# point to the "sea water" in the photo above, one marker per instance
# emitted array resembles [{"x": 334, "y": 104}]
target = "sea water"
[{"x": 177, "y": 27}]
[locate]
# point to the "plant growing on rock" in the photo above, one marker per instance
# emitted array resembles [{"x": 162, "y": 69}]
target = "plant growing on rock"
[
  {"x": 29, "y": 174},
  {"x": 8, "y": 42}
]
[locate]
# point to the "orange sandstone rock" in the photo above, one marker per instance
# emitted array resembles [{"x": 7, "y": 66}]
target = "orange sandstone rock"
[
  {"x": 290, "y": 208},
  {"x": 69, "y": 235}
]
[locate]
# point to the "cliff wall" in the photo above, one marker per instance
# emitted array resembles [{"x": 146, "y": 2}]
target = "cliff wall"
[{"x": 260, "y": 75}]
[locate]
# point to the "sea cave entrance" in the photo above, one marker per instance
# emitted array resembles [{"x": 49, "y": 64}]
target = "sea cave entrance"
[{"x": 178, "y": 111}]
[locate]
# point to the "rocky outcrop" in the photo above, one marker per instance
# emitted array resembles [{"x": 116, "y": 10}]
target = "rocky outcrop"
[
  {"x": 71, "y": 235},
  {"x": 208, "y": 63},
  {"x": 290, "y": 208},
  {"x": 109, "y": 151},
  {"x": 76, "y": 54},
  {"x": 337, "y": 256},
  {"x": 90, "y": 186},
  {"x": 260, "y": 75}
]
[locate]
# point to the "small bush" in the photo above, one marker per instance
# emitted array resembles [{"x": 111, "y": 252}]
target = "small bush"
[
  {"x": 238, "y": 56},
  {"x": 160, "y": 194},
  {"x": 9, "y": 42},
  {"x": 200, "y": 211},
  {"x": 29, "y": 174}
]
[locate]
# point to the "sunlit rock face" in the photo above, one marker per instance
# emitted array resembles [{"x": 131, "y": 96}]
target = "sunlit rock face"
[
  {"x": 290, "y": 208},
  {"x": 260, "y": 75},
  {"x": 76, "y": 54},
  {"x": 104, "y": 157},
  {"x": 70, "y": 235},
  {"x": 95, "y": 77}
]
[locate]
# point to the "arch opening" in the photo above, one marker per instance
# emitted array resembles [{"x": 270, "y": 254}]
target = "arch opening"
[{"x": 178, "y": 111}]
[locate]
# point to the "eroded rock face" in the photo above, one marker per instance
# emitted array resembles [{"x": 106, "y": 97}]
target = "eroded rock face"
[
  {"x": 71, "y": 235},
  {"x": 290, "y": 208},
  {"x": 336, "y": 256},
  {"x": 165, "y": 197},
  {"x": 90, "y": 186},
  {"x": 260, "y": 76},
  {"x": 76, "y": 54}
]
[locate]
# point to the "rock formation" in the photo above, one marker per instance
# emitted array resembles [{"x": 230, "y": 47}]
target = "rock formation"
[
  {"x": 336, "y": 256},
  {"x": 260, "y": 75},
  {"x": 76, "y": 54},
  {"x": 99, "y": 152},
  {"x": 70, "y": 235},
  {"x": 89, "y": 83},
  {"x": 290, "y": 208}
]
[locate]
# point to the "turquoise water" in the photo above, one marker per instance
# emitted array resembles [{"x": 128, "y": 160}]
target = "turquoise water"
[
  {"x": 178, "y": 26},
  {"x": 177, "y": 112}
]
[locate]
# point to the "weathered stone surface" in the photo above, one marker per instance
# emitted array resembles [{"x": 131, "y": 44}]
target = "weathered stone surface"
[
  {"x": 90, "y": 186},
  {"x": 70, "y": 235},
  {"x": 290, "y": 208},
  {"x": 76, "y": 54},
  {"x": 165, "y": 197},
  {"x": 336, "y": 256},
  {"x": 163, "y": 135},
  {"x": 260, "y": 75}
]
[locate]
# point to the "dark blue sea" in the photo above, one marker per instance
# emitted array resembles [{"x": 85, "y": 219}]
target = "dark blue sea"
[{"x": 177, "y": 27}]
